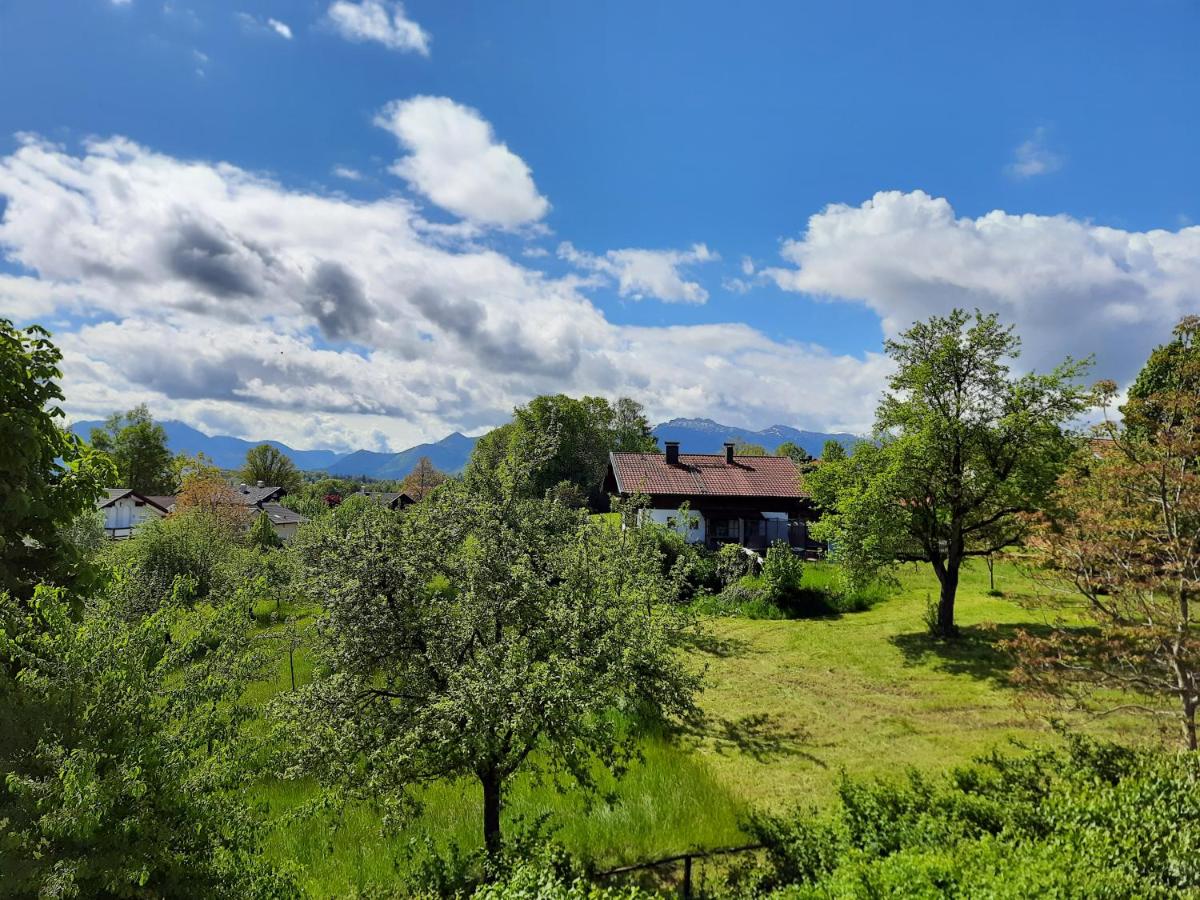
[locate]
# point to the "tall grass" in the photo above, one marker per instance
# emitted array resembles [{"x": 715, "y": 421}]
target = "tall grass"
[{"x": 668, "y": 803}]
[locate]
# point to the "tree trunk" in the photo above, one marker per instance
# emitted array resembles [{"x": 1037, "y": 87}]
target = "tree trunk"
[
  {"x": 945, "y": 612},
  {"x": 492, "y": 841},
  {"x": 1189, "y": 725}
]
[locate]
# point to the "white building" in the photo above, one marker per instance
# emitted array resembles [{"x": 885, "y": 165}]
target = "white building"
[{"x": 124, "y": 510}]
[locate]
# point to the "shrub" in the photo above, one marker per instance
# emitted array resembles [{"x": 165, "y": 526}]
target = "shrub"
[
  {"x": 732, "y": 563},
  {"x": 782, "y": 572},
  {"x": 1092, "y": 820}
]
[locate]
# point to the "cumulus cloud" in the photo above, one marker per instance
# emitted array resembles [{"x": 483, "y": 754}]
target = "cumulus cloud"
[
  {"x": 645, "y": 273},
  {"x": 235, "y": 303},
  {"x": 378, "y": 21},
  {"x": 455, "y": 161},
  {"x": 348, "y": 173},
  {"x": 1069, "y": 286},
  {"x": 1033, "y": 158}
]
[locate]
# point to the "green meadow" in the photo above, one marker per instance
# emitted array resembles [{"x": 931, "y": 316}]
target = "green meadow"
[{"x": 790, "y": 705}]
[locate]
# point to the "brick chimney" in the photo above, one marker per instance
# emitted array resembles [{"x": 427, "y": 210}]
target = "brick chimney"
[
  {"x": 729, "y": 445},
  {"x": 672, "y": 448}
]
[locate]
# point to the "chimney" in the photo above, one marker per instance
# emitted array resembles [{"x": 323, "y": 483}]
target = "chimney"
[
  {"x": 729, "y": 445},
  {"x": 259, "y": 484},
  {"x": 672, "y": 452}
]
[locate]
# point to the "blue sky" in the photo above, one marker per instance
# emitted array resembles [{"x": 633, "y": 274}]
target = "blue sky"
[{"x": 718, "y": 209}]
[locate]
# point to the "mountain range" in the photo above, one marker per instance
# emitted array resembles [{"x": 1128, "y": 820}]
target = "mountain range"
[{"x": 450, "y": 454}]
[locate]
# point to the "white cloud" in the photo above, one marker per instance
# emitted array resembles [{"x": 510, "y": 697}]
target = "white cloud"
[
  {"x": 280, "y": 28},
  {"x": 379, "y": 21},
  {"x": 254, "y": 24},
  {"x": 1068, "y": 285},
  {"x": 225, "y": 299},
  {"x": 455, "y": 161},
  {"x": 645, "y": 273},
  {"x": 1033, "y": 157},
  {"x": 121, "y": 2},
  {"x": 347, "y": 173}
]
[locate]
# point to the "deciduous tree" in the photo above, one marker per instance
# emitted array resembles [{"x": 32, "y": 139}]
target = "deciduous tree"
[
  {"x": 422, "y": 479},
  {"x": 832, "y": 451},
  {"x": 743, "y": 448},
  {"x": 963, "y": 448},
  {"x": 478, "y": 637},
  {"x": 48, "y": 477},
  {"x": 121, "y": 768},
  {"x": 270, "y": 465},
  {"x": 262, "y": 533},
  {"x": 1124, "y": 530},
  {"x": 137, "y": 445},
  {"x": 578, "y": 434}
]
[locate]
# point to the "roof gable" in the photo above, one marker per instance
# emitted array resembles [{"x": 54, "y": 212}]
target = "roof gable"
[{"x": 112, "y": 495}]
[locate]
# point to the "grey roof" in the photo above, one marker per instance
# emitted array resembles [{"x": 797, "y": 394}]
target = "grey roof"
[
  {"x": 256, "y": 496},
  {"x": 281, "y": 515},
  {"x": 389, "y": 498}
]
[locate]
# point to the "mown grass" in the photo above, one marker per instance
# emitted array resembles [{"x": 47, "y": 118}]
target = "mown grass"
[
  {"x": 871, "y": 693},
  {"x": 791, "y": 704}
]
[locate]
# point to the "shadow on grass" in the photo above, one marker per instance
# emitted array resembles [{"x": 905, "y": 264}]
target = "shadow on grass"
[
  {"x": 976, "y": 652},
  {"x": 761, "y": 736},
  {"x": 714, "y": 645}
]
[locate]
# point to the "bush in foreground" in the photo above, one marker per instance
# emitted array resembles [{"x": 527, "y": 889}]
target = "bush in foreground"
[{"x": 1092, "y": 820}]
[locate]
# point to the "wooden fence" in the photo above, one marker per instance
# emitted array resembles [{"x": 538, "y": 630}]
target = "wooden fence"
[{"x": 686, "y": 858}]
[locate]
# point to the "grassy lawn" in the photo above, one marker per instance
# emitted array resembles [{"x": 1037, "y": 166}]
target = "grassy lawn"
[
  {"x": 869, "y": 693},
  {"x": 791, "y": 703}
]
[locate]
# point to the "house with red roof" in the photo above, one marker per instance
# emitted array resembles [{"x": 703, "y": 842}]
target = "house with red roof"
[{"x": 753, "y": 501}]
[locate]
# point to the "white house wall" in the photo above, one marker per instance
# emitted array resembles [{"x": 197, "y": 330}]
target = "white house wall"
[
  {"x": 286, "y": 532},
  {"x": 666, "y": 516},
  {"x": 121, "y": 517}
]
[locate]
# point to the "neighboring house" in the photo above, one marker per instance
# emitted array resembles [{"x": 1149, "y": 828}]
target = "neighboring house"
[
  {"x": 748, "y": 500},
  {"x": 286, "y": 521},
  {"x": 259, "y": 496},
  {"x": 124, "y": 510},
  {"x": 390, "y": 499}
]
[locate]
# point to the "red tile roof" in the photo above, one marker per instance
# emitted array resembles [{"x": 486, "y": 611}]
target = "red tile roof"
[{"x": 706, "y": 474}]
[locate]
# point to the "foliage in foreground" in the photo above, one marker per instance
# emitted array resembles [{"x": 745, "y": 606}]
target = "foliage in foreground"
[
  {"x": 1124, "y": 530},
  {"x": 121, "y": 768},
  {"x": 47, "y": 475},
  {"x": 472, "y": 631},
  {"x": 1092, "y": 820}
]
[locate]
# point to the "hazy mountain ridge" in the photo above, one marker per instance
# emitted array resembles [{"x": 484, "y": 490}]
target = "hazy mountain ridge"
[
  {"x": 707, "y": 436},
  {"x": 451, "y": 453}
]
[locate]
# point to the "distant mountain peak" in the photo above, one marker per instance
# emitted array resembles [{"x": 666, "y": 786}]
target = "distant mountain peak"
[
  {"x": 707, "y": 424},
  {"x": 701, "y": 435}
]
